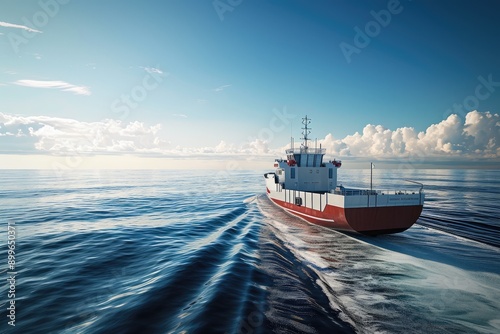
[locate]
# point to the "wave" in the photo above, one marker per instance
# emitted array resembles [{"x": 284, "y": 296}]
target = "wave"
[
  {"x": 397, "y": 283},
  {"x": 132, "y": 251}
]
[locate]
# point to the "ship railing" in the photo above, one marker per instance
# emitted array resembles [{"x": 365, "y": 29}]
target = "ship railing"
[
  {"x": 358, "y": 192},
  {"x": 303, "y": 150}
]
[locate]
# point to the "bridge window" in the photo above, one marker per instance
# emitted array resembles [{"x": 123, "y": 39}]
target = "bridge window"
[
  {"x": 330, "y": 173},
  {"x": 292, "y": 173}
]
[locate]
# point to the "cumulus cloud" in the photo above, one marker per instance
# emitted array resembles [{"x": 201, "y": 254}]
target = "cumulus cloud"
[
  {"x": 18, "y": 26},
  {"x": 64, "y": 86},
  {"x": 62, "y": 135},
  {"x": 477, "y": 136}
]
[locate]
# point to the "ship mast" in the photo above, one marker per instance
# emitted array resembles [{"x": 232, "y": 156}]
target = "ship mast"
[{"x": 305, "y": 131}]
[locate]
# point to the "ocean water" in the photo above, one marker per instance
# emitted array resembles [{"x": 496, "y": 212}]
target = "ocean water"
[{"x": 207, "y": 252}]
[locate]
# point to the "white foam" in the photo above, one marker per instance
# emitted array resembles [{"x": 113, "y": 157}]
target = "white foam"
[
  {"x": 421, "y": 278},
  {"x": 250, "y": 199}
]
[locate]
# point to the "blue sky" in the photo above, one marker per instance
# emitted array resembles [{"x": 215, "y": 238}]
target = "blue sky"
[{"x": 231, "y": 79}]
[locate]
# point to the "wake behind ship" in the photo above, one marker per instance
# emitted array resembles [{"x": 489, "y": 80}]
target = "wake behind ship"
[{"x": 305, "y": 186}]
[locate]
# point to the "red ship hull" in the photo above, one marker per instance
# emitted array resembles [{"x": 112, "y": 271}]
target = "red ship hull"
[{"x": 369, "y": 220}]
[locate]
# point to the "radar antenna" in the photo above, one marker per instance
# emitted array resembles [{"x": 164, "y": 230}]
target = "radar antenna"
[{"x": 305, "y": 131}]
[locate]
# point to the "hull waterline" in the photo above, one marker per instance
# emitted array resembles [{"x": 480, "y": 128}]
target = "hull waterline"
[{"x": 369, "y": 221}]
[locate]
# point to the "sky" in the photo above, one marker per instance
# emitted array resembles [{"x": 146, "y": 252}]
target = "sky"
[{"x": 224, "y": 84}]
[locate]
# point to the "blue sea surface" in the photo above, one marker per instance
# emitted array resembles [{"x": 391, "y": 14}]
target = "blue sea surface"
[{"x": 144, "y": 251}]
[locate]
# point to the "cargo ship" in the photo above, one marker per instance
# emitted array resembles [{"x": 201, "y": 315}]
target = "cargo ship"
[{"x": 306, "y": 186}]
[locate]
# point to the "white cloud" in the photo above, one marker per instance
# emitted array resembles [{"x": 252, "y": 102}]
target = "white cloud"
[
  {"x": 221, "y": 88},
  {"x": 179, "y": 115},
  {"x": 64, "y": 86},
  {"x": 59, "y": 135},
  {"x": 478, "y": 136},
  {"x": 483, "y": 132},
  {"x": 259, "y": 147},
  {"x": 151, "y": 70},
  {"x": 17, "y": 26}
]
